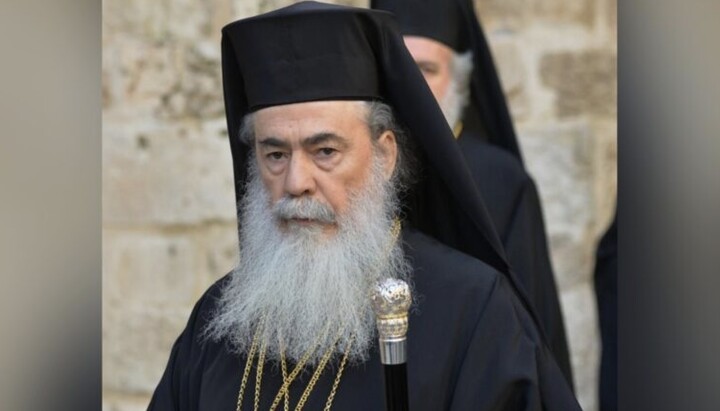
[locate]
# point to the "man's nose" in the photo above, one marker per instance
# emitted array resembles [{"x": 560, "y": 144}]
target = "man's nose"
[{"x": 299, "y": 180}]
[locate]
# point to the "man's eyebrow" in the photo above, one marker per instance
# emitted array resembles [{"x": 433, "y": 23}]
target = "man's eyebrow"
[
  {"x": 427, "y": 64},
  {"x": 273, "y": 142},
  {"x": 324, "y": 137}
]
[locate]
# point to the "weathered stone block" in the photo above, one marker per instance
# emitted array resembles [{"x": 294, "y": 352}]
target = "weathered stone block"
[
  {"x": 573, "y": 257},
  {"x": 584, "y": 82},
  {"x": 509, "y": 63},
  {"x": 515, "y": 13},
  {"x": 136, "y": 344},
  {"x": 242, "y": 9},
  {"x": 219, "y": 247},
  {"x": 559, "y": 157},
  {"x": 197, "y": 93},
  {"x": 605, "y": 173},
  {"x": 511, "y": 13},
  {"x": 578, "y": 11},
  {"x": 611, "y": 11},
  {"x": 158, "y": 21},
  {"x": 135, "y": 74},
  {"x": 560, "y": 160},
  {"x": 169, "y": 81},
  {"x": 581, "y": 326},
  {"x": 512, "y": 72},
  {"x": 167, "y": 175},
  {"x": 126, "y": 403},
  {"x": 150, "y": 267}
]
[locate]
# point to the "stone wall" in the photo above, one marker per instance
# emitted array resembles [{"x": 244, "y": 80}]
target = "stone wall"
[{"x": 169, "y": 228}]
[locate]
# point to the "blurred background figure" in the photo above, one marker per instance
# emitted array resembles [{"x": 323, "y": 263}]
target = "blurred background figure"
[{"x": 448, "y": 45}]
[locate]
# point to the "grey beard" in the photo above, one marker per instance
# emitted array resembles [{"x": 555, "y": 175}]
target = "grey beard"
[
  {"x": 311, "y": 289},
  {"x": 452, "y": 105},
  {"x": 458, "y": 92}
]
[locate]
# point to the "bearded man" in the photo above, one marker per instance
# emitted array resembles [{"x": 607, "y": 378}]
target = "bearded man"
[
  {"x": 344, "y": 165},
  {"x": 446, "y": 41}
]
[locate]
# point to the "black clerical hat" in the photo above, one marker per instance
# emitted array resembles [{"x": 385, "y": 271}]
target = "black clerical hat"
[
  {"x": 454, "y": 23},
  {"x": 441, "y": 20},
  {"x": 313, "y": 51}
]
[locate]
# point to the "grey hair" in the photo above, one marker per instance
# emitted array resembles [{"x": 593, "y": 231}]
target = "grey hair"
[
  {"x": 462, "y": 67},
  {"x": 247, "y": 129},
  {"x": 381, "y": 118},
  {"x": 456, "y": 97}
]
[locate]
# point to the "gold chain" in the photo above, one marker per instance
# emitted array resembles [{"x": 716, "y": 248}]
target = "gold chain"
[
  {"x": 333, "y": 391},
  {"x": 287, "y": 380},
  {"x": 286, "y": 384},
  {"x": 246, "y": 372},
  {"x": 286, "y": 405},
  {"x": 313, "y": 380},
  {"x": 258, "y": 375}
]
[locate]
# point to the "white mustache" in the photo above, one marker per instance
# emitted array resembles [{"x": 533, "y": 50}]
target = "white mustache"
[{"x": 303, "y": 208}]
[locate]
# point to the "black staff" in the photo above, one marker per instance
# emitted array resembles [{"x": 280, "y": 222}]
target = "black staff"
[{"x": 391, "y": 301}]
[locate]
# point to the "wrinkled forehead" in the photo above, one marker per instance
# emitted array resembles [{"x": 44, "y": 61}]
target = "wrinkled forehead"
[
  {"x": 306, "y": 118},
  {"x": 315, "y": 108}
]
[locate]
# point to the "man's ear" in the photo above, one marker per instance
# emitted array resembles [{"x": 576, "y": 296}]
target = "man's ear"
[{"x": 387, "y": 143}]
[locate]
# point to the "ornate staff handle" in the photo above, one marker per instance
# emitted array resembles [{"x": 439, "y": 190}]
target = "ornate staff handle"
[{"x": 391, "y": 301}]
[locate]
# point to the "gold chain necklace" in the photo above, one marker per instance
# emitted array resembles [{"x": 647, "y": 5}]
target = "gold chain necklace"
[
  {"x": 258, "y": 374},
  {"x": 316, "y": 375},
  {"x": 283, "y": 393},
  {"x": 246, "y": 372},
  {"x": 284, "y": 389},
  {"x": 286, "y": 403}
]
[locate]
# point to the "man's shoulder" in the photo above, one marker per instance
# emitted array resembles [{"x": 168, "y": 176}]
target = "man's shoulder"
[
  {"x": 461, "y": 289},
  {"x": 438, "y": 266},
  {"x": 484, "y": 157},
  {"x": 500, "y": 177},
  {"x": 207, "y": 304},
  {"x": 462, "y": 282}
]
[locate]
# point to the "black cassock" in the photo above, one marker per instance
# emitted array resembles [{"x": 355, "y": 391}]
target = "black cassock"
[
  {"x": 514, "y": 207},
  {"x": 472, "y": 346},
  {"x": 606, "y": 272}
]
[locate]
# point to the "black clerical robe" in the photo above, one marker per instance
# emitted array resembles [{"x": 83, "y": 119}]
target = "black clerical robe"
[
  {"x": 514, "y": 206},
  {"x": 471, "y": 346},
  {"x": 606, "y": 272}
]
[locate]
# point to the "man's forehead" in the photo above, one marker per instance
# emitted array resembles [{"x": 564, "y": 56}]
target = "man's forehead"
[
  {"x": 311, "y": 115},
  {"x": 426, "y": 46},
  {"x": 314, "y": 107}
]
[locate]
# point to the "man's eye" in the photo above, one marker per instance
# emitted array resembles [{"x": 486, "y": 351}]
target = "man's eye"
[
  {"x": 425, "y": 69},
  {"x": 276, "y": 155},
  {"x": 326, "y": 151}
]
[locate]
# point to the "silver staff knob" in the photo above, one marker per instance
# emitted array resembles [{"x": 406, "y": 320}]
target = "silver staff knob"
[{"x": 391, "y": 301}]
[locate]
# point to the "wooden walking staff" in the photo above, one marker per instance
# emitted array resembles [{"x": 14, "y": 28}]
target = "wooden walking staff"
[{"x": 391, "y": 301}]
